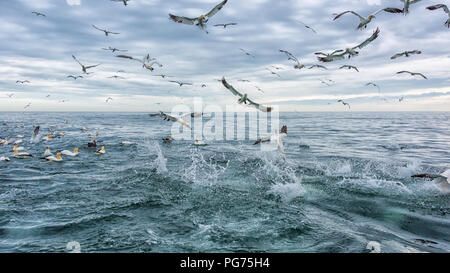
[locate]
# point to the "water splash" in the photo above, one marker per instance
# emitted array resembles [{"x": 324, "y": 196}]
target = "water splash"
[
  {"x": 160, "y": 162},
  {"x": 202, "y": 171}
]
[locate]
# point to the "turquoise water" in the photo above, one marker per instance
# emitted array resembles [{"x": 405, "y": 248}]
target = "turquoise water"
[{"x": 345, "y": 182}]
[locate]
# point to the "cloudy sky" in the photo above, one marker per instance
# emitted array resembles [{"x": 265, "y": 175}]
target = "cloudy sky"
[{"x": 39, "y": 49}]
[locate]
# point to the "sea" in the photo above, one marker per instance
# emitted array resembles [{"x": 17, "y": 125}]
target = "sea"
[{"x": 344, "y": 185}]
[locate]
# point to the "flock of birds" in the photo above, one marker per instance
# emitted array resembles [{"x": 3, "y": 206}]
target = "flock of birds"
[{"x": 150, "y": 63}]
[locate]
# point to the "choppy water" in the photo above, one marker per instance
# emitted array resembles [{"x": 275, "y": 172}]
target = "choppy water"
[{"x": 346, "y": 181}]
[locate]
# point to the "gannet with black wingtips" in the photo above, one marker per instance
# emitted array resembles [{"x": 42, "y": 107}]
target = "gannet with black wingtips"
[
  {"x": 5, "y": 141},
  {"x": 5, "y": 159},
  {"x": 47, "y": 152},
  {"x": 442, "y": 180},
  {"x": 201, "y": 20},
  {"x": 127, "y": 143},
  {"x": 69, "y": 153},
  {"x": 276, "y": 139},
  {"x": 16, "y": 147},
  {"x": 173, "y": 118},
  {"x": 101, "y": 151},
  {"x": 53, "y": 158},
  {"x": 21, "y": 155}
]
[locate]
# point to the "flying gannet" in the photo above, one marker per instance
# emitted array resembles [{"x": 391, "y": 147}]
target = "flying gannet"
[
  {"x": 243, "y": 98},
  {"x": 200, "y": 21}
]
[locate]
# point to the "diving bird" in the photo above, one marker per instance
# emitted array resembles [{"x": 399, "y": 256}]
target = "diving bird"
[
  {"x": 406, "y": 54},
  {"x": 225, "y": 25},
  {"x": 308, "y": 27},
  {"x": 172, "y": 118},
  {"x": 413, "y": 74},
  {"x": 181, "y": 83},
  {"x": 84, "y": 68},
  {"x": 243, "y": 98},
  {"x": 125, "y": 2},
  {"x": 350, "y": 51},
  {"x": 147, "y": 62},
  {"x": 446, "y": 10},
  {"x": 318, "y": 66},
  {"x": 273, "y": 73},
  {"x": 69, "y": 153},
  {"x": 373, "y": 84},
  {"x": 291, "y": 57},
  {"x": 275, "y": 138},
  {"x": 107, "y": 32},
  {"x": 38, "y": 14},
  {"x": 442, "y": 180},
  {"x": 344, "y": 103},
  {"x": 406, "y": 6},
  {"x": 74, "y": 77},
  {"x": 200, "y": 21},
  {"x": 113, "y": 49},
  {"x": 22, "y": 82},
  {"x": 246, "y": 52},
  {"x": 364, "y": 21},
  {"x": 349, "y": 67}
]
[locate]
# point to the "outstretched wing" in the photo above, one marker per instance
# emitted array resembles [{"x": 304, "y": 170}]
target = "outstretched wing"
[
  {"x": 128, "y": 57},
  {"x": 98, "y": 28},
  {"x": 351, "y": 11},
  {"x": 369, "y": 40},
  {"x": 260, "y": 107},
  {"x": 397, "y": 55},
  {"x": 92, "y": 66},
  {"x": 216, "y": 9},
  {"x": 420, "y": 74},
  {"x": 182, "y": 19},
  {"x": 231, "y": 88},
  {"x": 444, "y": 7},
  {"x": 75, "y": 58},
  {"x": 261, "y": 140},
  {"x": 290, "y": 56}
]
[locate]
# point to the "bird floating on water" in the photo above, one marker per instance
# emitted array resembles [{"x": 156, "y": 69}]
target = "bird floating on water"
[
  {"x": 101, "y": 151},
  {"x": 69, "y": 153},
  {"x": 53, "y": 158},
  {"x": 200, "y": 21}
]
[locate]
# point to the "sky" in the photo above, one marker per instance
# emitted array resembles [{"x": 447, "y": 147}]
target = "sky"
[{"x": 39, "y": 49}]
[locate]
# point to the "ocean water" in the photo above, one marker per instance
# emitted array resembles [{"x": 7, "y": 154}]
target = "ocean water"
[{"x": 345, "y": 182}]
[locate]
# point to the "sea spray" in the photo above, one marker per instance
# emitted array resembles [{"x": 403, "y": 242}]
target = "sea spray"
[{"x": 159, "y": 163}]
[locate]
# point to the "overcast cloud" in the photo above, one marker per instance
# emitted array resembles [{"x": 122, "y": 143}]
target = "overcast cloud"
[{"x": 39, "y": 49}]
